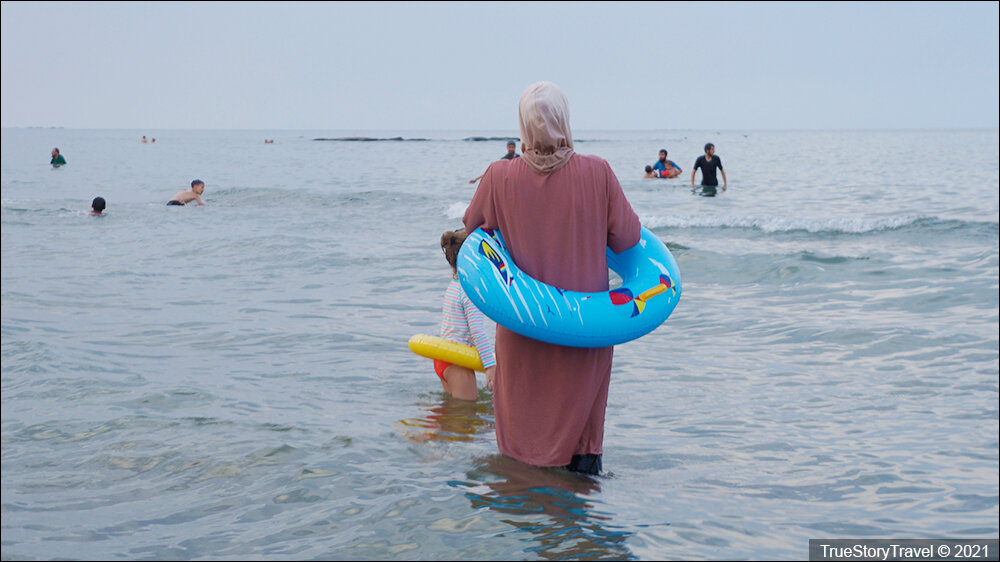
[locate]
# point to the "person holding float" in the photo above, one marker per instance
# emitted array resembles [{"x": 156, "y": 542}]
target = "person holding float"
[
  {"x": 557, "y": 215},
  {"x": 663, "y": 167},
  {"x": 464, "y": 346}
]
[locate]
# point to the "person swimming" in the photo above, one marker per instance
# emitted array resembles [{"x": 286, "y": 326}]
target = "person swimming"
[{"x": 184, "y": 197}]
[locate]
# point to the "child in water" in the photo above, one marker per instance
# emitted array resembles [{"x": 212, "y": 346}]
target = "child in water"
[
  {"x": 654, "y": 173},
  {"x": 97, "y": 206},
  {"x": 462, "y": 322},
  {"x": 184, "y": 197}
]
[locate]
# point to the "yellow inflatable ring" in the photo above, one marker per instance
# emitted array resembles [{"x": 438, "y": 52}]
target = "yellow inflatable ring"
[{"x": 434, "y": 347}]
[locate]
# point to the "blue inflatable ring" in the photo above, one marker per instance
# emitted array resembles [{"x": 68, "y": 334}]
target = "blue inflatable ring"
[{"x": 651, "y": 287}]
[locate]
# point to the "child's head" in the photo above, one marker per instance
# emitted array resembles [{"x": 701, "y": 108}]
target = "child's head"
[
  {"x": 649, "y": 169},
  {"x": 98, "y": 204},
  {"x": 198, "y": 186},
  {"x": 451, "y": 243}
]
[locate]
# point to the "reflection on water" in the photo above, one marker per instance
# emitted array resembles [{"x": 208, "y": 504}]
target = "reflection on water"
[
  {"x": 452, "y": 419},
  {"x": 550, "y": 505}
]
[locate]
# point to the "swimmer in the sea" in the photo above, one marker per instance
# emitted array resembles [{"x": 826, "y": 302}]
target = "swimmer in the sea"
[
  {"x": 97, "y": 206},
  {"x": 188, "y": 195},
  {"x": 57, "y": 158}
]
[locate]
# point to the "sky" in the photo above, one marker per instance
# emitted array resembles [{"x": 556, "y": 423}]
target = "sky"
[{"x": 463, "y": 65}]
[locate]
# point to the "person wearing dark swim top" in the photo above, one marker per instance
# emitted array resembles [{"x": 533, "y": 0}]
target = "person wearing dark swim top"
[
  {"x": 188, "y": 195},
  {"x": 511, "y": 154},
  {"x": 667, "y": 168},
  {"x": 708, "y": 165},
  {"x": 511, "y": 151},
  {"x": 57, "y": 159}
]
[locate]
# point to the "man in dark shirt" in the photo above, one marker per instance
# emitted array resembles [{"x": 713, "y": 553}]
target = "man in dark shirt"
[
  {"x": 511, "y": 154},
  {"x": 708, "y": 164},
  {"x": 511, "y": 151}
]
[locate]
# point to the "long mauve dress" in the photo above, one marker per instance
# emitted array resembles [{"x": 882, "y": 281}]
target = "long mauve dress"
[{"x": 549, "y": 400}]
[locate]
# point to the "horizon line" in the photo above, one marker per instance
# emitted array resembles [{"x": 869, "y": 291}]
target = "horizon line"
[{"x": 718, "y": 130}]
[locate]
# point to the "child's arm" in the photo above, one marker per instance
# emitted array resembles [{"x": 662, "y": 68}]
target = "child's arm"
[
  {"x": 198, "y": 199},
  {"x": 490, "y": 375},
  {"x": 477, "y": 329}
]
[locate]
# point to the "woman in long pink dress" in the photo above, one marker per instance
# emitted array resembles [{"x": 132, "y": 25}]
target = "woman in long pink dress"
[{"x": 558, "y": 211}]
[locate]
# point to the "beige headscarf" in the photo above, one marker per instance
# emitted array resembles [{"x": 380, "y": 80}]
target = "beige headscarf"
[{"x": 546, "y": 141}]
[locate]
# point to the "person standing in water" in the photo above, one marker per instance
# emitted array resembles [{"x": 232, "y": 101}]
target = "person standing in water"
[
  {"x": 708, "y": 164},
  {"x": 511, "y": 154},
  {"x": 462, "y": 322},
  {"x": 558, "y": 211},
  {"x": 667, "y": 168},
  {"x": 57, "y": 159}
]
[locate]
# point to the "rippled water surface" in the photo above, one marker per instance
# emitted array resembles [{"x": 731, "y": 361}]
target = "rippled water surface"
[{"x": 232, "y": 381}]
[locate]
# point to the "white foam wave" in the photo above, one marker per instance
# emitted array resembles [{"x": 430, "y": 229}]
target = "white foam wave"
[
  {"x": 849, "y": 225},
  {"x": 456, "y": 210}
]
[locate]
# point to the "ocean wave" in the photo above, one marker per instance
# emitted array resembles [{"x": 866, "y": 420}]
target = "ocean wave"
[
  {"x": 456, "y": 210},
  {"x": 495, "y": 139},
  {"x": 518, "y": 140},
  {"x": 369, "y": 139},
  {"x": 321, "y": 196},
  {"x": 834, "y": 225},
  {"x": 422, "y": 139}
]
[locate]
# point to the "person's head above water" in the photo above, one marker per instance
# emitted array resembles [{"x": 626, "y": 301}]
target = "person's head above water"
[
  {"x": 649, "y": 169},
  {"x": 451, "y": 243},
  {"x": 543, "y": 116},
  {"x": 198, "y": 186},
  {"x": 663, "y": 154},
  {"x": 98, "y": 205}
]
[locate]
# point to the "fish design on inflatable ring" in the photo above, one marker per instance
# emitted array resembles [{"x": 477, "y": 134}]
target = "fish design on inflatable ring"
[{"x": 517, "y": 301}]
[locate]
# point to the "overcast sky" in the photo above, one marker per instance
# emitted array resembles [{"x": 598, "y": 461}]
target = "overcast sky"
[{"x": 445, "y": 66}]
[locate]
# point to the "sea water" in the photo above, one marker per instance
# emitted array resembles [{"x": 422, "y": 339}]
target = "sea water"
[{"x": 232, "y": 381}]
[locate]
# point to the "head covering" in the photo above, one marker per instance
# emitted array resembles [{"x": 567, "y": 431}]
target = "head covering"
[{"x": 547, "y": 143}]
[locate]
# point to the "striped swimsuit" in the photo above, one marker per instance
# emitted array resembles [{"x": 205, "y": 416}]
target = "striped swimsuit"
[{"x": 462, "y": 322}]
